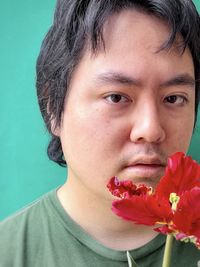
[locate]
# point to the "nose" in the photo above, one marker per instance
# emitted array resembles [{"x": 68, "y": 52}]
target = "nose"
[{"x": 147, "y": 125}]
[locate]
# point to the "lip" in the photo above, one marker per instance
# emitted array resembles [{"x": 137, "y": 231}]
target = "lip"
[
  {"x": 147, "y": 161},
  {"x": 145, "y": 166},
  {"x": 145, "y": 170}
]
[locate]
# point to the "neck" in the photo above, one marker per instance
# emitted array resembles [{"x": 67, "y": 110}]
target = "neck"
[{"x": 94, "y": 215}]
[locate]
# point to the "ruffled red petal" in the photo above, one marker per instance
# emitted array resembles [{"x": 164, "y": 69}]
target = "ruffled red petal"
[
  {"x": 187, "y": 216},
  {"x": 147, "y": 210},
  {"x": 126, "y": 188},
  {"x": 181, "y": 174}
]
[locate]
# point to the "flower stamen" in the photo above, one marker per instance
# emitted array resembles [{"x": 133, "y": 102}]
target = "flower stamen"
[{"x": 174, "y": 199}]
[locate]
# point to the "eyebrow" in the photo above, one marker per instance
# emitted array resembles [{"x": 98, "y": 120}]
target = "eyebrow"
[
  {"x": 119, "y": 78},
  {"x": 116, "y": 78},
  {"x": 180, "y": 80}
]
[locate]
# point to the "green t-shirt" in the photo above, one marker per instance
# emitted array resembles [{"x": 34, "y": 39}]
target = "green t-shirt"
[{"x": 43, "y": 235}]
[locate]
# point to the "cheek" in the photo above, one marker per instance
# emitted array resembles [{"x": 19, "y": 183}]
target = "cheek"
[
  {"x": 89, "y": 146},
  {"x": 180, "y": 134},
  {"x": 87, "y": 137}
]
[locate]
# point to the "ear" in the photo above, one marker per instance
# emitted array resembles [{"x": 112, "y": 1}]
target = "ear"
[{"x": 54, "y": 129}]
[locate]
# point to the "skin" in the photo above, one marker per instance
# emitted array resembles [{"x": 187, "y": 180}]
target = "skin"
[{"x": 109, "y": 122}]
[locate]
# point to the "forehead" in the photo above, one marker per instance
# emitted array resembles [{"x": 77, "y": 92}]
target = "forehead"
[
  {"x": 132, "y": 45},
  {"x": 135, "y": 26},
  {"x": 138, "y": 27}
]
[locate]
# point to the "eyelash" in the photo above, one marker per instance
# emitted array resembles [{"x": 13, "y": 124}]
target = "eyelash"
[
  {"x": 183, "y": 98},
  {"x": 124, "y": 99}
]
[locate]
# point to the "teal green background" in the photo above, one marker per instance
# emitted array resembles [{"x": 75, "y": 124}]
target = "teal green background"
[{"x": 25, "y": 171}]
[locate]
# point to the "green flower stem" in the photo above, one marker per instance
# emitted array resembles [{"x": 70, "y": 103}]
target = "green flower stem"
[
  {"x": 168, "y": 250},
  {"x": 131, "y": 262}
]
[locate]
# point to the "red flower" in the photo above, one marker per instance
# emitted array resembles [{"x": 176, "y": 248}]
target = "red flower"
[
  {"x": 185, "y": 223},
  {"x": 144, "y": 209},
  {"x": 126, "y": 189},
  {"x": 181, "y": 174},
  {"x": 175, "y": 204},
  {"x": 187, "y": 216}
]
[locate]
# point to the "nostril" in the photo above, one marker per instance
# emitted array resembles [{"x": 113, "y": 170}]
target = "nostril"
[{"x": 147, "y": 134}]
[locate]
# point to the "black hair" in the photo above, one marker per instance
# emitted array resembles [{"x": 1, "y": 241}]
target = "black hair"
[{"x": 79, "y": 22}]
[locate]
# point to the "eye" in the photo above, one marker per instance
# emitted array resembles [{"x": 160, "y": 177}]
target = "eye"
[
  {"x": 116, "y": 98},
  {"x": 176, "y": 99}
]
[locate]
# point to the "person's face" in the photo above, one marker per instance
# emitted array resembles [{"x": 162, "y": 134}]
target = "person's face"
[{"x": 128, "y": 107}]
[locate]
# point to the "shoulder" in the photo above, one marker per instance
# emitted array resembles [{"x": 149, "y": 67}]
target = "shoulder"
[
  {"x": 25, "y": 215},
  {"x": 23, "y": 231}
]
